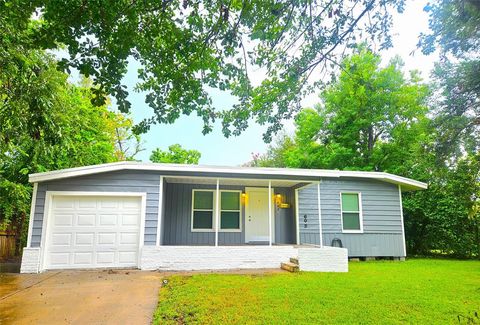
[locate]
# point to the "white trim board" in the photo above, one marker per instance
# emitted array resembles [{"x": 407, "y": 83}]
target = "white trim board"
[
  {"x": 160, "y": 212},
  {"x": 406, "y": 183},
  {"x": 49, "y": 195},
  {"x": 297, "y": 221}
]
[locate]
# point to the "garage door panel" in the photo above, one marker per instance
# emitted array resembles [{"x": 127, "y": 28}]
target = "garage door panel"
[
  {"x": 86, "y": 219},
  {"x": 86, "y": 203},
  {"x": 63, "y": 203},
  {"x": 64, "y": 220},
  {"x": 127, "y": 257},
  {"x": 61, "y": 239},
  {"x": 130, "y": 204},
  {"x": 106, "y": 258},
  {"x": 108, "y": 220},
  {"x": 83, "y": 258},
  {"x": 106, "y": 238},
  {"x": 109, "y": 203},
  {"x": 129, "y": 219},
  {"x": 89, "y": 232},
  {"x": 59, "y": 258},
  {"x": 82, "y": 239},
  {"x": 128, "y": 238}
]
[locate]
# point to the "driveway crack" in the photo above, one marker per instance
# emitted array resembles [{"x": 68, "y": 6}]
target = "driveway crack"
[{"x": 29, "y": 286}]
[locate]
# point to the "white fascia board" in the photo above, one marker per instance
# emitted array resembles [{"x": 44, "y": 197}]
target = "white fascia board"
[{"x": 407, "y": 183}]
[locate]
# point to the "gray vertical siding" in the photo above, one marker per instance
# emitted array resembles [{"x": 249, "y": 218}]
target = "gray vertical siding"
[
  {"x": 382, "y": 224},
  {"x": 121, "y": 181},
  {"x": 285, "y": 226},
  {"x": 308, "y": 215},
  {"x": 178, "y": 218}
]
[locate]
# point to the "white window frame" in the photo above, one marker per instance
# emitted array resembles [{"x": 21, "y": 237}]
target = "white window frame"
[
  {"x": 239, "y": 211},
  {"x": 360, "y": 213},
  {"x": 193, "y": 209}
]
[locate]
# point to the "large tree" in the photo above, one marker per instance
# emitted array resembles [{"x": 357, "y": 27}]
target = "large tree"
[
  {"x": 187, "y": 47},
  {"x": 455, "y": 34},
  {"x": 373, "y": 118},
  {"x": 46, "y": 123},
  {"x": 370, "y": 118}
]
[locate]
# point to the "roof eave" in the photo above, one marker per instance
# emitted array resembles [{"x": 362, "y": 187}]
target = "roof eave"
[{"x": 405, "y": 183}]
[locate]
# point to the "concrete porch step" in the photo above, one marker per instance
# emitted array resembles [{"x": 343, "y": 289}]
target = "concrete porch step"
[{"x": 290, "y": 267}]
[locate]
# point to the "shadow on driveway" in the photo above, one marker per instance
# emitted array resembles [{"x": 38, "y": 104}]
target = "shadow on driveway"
[{"x": 79, "y": 297}]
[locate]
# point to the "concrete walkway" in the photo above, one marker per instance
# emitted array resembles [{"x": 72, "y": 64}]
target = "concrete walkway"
[{"x": 79, "y": 297}]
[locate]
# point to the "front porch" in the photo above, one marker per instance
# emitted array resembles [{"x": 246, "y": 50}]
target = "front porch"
[
  {"x": 202, "y": 211},
  {"x": 237, "y": 223}
]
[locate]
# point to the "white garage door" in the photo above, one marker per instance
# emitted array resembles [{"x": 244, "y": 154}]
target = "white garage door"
[{"x": 92, "y": 232}]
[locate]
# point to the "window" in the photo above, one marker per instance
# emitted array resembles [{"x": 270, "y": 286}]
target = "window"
[
  {"x": 202, "y": 214},
  {"x": 204, "y": 206},
  {"x": 351, "y": 212},
  {"x": 230, "y": 210}
]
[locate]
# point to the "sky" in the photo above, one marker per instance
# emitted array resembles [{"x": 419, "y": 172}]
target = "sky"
[{"x": 218, "y": 150}]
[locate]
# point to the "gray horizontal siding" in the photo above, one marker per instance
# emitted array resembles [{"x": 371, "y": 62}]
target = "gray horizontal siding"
[
  {"x": 360, "y": 245},
  {"x": 382, "y": 224},
  {"x": 120, "y": 181},
  {"x": 380, "y": 205}
]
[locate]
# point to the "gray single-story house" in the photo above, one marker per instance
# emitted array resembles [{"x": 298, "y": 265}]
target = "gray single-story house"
[{"x": 191, "y": 217}]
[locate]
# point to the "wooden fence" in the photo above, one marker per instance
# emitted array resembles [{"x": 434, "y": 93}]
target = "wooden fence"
[{"x": 7, "y": 245}]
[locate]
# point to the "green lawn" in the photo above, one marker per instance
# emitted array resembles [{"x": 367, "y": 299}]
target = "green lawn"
[{"x": 416, "y": 291}]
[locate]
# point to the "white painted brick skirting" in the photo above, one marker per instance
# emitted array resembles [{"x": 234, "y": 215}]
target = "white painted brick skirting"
[
  {"x": 30, "y": 260},
  {"x": 183, "y": 258},
  {"x": 186, "y": 258},
  {"x": 324, "y": 259}
]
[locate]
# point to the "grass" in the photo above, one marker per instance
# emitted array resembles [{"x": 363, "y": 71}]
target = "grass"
[{"x": 428, "y": 291}]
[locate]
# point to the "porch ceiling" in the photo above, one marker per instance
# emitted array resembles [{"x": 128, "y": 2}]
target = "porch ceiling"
[{"x": 234, "y": 181}]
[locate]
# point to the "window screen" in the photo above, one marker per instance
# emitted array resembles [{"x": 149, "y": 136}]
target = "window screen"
[
  {"x": 229, "y": 210},
  {"x": 351, "y": 211},
  {"x": 202, "y": 210}
]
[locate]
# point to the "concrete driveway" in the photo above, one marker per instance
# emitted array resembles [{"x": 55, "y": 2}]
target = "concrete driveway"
[{"x": 79, "y": 297}]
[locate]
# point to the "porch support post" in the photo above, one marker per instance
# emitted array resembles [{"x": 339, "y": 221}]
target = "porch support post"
[
  {"x": 319, "y": 214},
  {"x": 160, "y": 212},
  {"x": 217, "y": 210},
  {"x": 270, "y": 213}
]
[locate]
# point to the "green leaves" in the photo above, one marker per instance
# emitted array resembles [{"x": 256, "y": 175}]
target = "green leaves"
[
  {"x": 46, "y": 123},
  {"x": 365, "y": 117},
  {"x": 176, "y": 155},
  {"x": 187, "y": 47}
]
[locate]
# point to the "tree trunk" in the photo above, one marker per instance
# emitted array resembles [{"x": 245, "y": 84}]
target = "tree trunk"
[
  {"x": 370, "y": 144},
  {"x": 18, "y": 234}
]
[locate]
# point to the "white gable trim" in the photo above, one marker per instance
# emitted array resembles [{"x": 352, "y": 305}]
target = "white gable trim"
[{"x": 406, "y": 183}]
